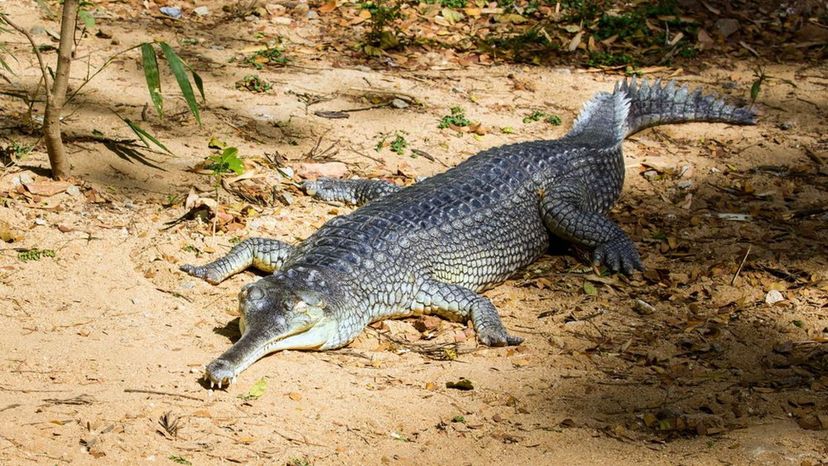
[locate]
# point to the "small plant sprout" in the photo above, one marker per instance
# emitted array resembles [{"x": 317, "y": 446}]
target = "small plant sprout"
[
  {"x": 537, "y": 115},
  {"x": 456, "y": 118},
  {"x": 253, "y": 83},
  {"x": 397, "y": 145},
  {"x": 382, "y": 35},
  {"x": 273, "y": 55},
  {"x": 224, "y": 162}
]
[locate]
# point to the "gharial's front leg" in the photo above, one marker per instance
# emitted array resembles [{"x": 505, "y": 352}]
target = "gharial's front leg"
[
  {"x": 566, "y": 216},
  {"x": 263, "y": 253},
  {"x": 460, "y": 304},
  {"x": 357, "y": 192}
]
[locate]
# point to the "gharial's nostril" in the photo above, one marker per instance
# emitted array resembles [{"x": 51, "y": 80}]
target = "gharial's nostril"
[{"x": 254, "y": 292}]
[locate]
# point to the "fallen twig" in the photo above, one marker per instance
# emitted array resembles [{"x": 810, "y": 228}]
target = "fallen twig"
[
  {"x": 736, "y": 275},
  {"x": 155, "y": 392}
]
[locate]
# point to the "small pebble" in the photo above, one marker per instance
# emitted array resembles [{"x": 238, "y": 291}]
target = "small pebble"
[
  {"x": 650, "y": 175},
  {"x": 173, "y": 12},
  {"x": 643, "y": 307},
  {"x": 201, "y": 11},
  {"x": 773, "y": 297},
  {"x": 301, "y": 9}
]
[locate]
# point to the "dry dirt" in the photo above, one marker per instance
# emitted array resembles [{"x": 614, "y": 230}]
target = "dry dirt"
[{"x": 107, "y": 337}]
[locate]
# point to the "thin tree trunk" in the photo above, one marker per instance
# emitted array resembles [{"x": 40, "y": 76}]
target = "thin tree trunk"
[{"x": 54, "y": 105}]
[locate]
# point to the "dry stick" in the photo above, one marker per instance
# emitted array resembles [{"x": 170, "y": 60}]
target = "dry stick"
[
  {"x": 43, "y": 70},
  {"x": 155, "y": 392},
  {"x": 736, "y": 275}
]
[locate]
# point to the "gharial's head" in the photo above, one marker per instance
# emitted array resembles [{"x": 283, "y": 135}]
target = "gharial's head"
[{"x": 276, "y": 313}]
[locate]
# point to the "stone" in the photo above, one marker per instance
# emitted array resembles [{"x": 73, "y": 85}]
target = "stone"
[
  {"x": 312, "y": 171},
  {"x": 727, "y": 26}
]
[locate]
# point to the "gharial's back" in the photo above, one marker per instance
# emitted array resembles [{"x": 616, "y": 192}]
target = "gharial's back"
[{"x": 472, "y": 225}]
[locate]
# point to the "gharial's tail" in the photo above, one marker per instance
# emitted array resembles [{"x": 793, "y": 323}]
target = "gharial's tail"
[{"x": 635, "y": 105}]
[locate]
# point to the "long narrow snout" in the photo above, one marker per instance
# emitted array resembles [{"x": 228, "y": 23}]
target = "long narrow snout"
[{"x": 257, "y": 342}]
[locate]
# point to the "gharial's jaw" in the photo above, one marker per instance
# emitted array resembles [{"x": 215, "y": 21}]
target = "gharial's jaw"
[{"x": 250, "y": 348}]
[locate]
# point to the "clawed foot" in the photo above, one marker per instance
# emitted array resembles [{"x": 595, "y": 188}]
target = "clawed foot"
[
  {"x": 497, "y": 337},
  {"x": 619, "y": 255},
  {"x": 220, "y": 374},
  {"x": 201, "y": 272}
]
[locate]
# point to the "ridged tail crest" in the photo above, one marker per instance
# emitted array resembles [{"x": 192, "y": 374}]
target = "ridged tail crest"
[{"x": 635, "y": 105}]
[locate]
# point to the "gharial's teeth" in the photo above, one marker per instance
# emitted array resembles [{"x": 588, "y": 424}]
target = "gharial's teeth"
[
  {"x": 212, "y": 384},
  {"x": 234, "y": 379}
]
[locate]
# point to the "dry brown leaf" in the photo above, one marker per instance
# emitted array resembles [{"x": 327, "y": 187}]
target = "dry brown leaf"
[
  {"x": 47, "y": 188},
  {"x": 575, "y": 42},
  {"x": 9, "y": 234},
  {"x": 327, "y": 7}
]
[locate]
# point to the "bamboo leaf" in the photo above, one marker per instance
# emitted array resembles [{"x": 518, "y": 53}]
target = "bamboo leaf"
[
  {"x": 199, "y": 84},
  {"x": 87, "y": 19},
  {"x": 143, "y": 135},
  {"x": 179, "y": 71},
  {"x": 5, "y": 65},
  {"x": 150, "y": 62}
]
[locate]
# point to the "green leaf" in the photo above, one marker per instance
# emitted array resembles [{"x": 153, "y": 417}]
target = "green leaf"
[
  {"x": 216, "y": 143},
  {"x": 231, "y": 158},
  {"x": 755, "y": 88},
  {"x": 150, "y": 62},
  {"x": 199, "y": 84},
  {"x": 179, "y": 71},
  {"x": 6, "y": 66},
  {"x": 554, "y": 120},
  {"x": 179, "y": 459},
  {"x": 228, "y": 160},
  {"x": 87, "y": 18},
  {"x": 143, "y": 135},
  {"x": 256, "y": 391},
  {"x": 590, "y": 289}
]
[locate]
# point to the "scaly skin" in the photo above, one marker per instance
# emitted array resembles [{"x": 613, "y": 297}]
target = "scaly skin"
[{"x": 433, "y": 246}]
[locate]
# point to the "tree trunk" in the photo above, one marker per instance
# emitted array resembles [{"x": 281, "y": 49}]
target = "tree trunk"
[{"x": 54, "y": 105}]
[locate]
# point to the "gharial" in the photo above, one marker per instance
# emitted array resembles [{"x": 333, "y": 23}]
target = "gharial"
[{"x": 432, "y": 247}]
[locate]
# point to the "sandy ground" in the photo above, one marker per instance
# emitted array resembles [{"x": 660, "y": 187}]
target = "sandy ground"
[{"x": 105, "y": 339}]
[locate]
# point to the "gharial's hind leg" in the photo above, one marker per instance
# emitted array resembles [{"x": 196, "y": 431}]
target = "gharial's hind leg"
[
  {"x": 565, "y": 215},
  {"x": 460, "y": 304},
  {"x": 357, "y": 192},
  {"x": 263, "y": 253}
]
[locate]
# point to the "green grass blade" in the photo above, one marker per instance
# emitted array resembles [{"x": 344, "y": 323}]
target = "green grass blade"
[
  {"x": 150, "y": 62},
  {"x": 179, "y": 71}
]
